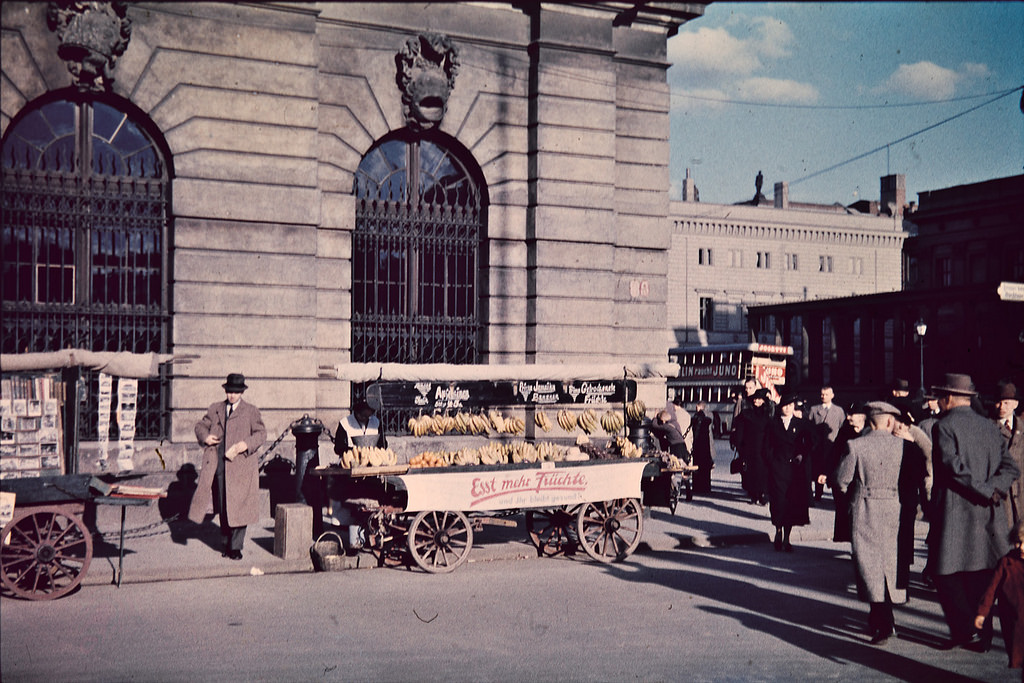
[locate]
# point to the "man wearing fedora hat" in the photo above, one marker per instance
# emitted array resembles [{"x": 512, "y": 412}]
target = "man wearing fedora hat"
[
  {"x": 231, "y": 432},
  {"x": 1012, "y": 429},
  {"x": 972, "y": 476}
]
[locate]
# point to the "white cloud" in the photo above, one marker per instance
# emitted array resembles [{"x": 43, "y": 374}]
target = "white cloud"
[
  {"x": 712, "y": 52},
  {"x": 772, "y": 37},
  {"x": 923, "y": 80},
  {"x": 777, "y": 90}
]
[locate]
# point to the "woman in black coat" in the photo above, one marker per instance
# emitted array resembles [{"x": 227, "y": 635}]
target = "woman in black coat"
[
  {"x": 788, "y": 445},
  {"x": 747, "y": 438},
  {"x": 703, "y": 449}
]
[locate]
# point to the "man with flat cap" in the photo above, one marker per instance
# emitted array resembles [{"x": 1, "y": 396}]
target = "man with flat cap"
[
  {"x": 870, "y": 472},
  {"x": 231, "y": 432},
  {"x": 1012, "y": 428},
  {"x": 969, "y": 533}
]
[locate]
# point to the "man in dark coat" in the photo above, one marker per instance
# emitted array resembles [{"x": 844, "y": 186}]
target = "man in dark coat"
[
  {"x": 856, "y": 425},
  {"x": 870, "y": 473},
  {"x": 747, "y": 438},
  {"x": 788, "y": 446},
  {"x": 969, "y": 533},
  {"x": 231, "y": 432},
  {"x": 703, "y": 449}
]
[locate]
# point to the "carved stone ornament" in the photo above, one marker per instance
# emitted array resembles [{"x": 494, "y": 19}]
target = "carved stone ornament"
[
  {"x": 92, "y": 36},
  {"x": 427, "y": 67}
]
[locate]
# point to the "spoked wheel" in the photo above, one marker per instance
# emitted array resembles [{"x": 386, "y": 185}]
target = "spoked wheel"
[
  {"x": 385, "y": 538},
  {"x": 551, "y": 531},
  {"x": 44, "y": 553},
  {"x": 610, "y": 530},
  {"x": 439, "y": 541}
]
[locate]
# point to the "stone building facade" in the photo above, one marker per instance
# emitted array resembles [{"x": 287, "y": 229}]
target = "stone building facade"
[
  {"x": 514, "y": 154},
  {"x": 725, "y": 258}
]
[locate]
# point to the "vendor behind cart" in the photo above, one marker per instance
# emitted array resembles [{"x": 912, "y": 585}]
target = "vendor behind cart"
[{"x": 361, "y": 428}]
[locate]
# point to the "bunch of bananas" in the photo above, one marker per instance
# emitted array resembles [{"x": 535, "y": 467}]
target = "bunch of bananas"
[
  {"x": 368, "y": 456},
  {"x": 627, "y": 448},
  {"x": 636, "y": 410},
  {"x": 521, "y": 451},
  {"x": 542, "y": 420},
  {"x": 587, "y": 420},
  {"x": 506, "y": 425},
  {"x": 550, "y": 452},
  {"x": 491, "y": 454},
  {"x": 612, "y": 422},
  {"x": 567, "y": 420}
]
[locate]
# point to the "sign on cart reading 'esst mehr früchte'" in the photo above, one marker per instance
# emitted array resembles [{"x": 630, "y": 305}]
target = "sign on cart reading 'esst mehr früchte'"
[{"x": 542, "y": 487}]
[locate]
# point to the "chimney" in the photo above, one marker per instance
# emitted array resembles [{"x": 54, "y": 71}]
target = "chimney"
[
  {"x": 894, "y": 194},
  {"x": 782, "y": 195},
  {"x": 690, "y": 193}
]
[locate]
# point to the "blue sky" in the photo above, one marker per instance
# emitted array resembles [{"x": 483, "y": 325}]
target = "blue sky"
[{"x": 794, "y": 89}]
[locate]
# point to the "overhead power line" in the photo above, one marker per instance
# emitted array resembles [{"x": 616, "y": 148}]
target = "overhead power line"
[
  {"x": 886, "y": 105},
  {"x": 905, "y": 137}
]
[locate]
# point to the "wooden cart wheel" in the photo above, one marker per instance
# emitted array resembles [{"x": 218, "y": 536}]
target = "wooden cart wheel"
[
  {"x": 44, "y": 553},
  {"x": 385, "y": 538},
  {"x": 439, "y": 541},
  {"x": 610, "y": 530},
  {"x": 552, "y": 531}
]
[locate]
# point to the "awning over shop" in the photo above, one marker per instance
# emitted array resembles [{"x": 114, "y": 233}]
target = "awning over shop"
[
  {"x": 117, "y": 363},
  {"x": 389, "y": 372}
]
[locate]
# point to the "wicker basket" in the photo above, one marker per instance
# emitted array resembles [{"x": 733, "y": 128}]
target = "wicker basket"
[{"x": 328, "y": 552}]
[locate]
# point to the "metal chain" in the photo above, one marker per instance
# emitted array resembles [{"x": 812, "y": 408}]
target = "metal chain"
[{"x": 137, "y": 532}]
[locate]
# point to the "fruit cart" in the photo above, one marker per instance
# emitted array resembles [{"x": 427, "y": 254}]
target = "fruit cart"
[
  {"x": 574, "y": 492},
  {"x": 47, "y": 545}
]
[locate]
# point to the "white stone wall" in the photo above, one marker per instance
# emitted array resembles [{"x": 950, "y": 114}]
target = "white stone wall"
[
  {"x": 865, "y": 253},
  {"x": 267, "y": 111}
]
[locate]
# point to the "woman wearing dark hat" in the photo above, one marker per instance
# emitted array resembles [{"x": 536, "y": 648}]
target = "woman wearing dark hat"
[
  {"x": 788, "y": 448},
  {"x": 747, "y": 438},
  {"x": 231, "y": 432}
]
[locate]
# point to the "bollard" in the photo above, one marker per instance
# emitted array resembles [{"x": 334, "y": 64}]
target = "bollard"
[{"x": 307, "y": 445}]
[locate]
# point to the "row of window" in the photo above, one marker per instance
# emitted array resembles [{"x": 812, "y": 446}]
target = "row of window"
[{"x": 763, "y": 261}]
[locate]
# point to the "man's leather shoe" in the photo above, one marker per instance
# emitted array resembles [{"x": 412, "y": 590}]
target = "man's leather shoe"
[{"x": 235, "y": 555}]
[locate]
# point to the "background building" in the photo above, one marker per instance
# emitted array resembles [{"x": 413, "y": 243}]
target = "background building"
[
  {"x": 725, "y": 258},
  {"x": 964, "y": 283},
  {"x": 276, "y": 187}
]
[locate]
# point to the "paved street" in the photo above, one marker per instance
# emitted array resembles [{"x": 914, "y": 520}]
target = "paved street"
[{"x": 743, "y": 613}]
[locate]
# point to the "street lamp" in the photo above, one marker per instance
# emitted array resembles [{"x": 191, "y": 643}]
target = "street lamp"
[{"x": 920, "y": 329}]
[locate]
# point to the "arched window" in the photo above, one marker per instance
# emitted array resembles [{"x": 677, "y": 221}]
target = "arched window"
[
  {"x": 86, "y": 220},
  {"x": 418, "y": 255}
]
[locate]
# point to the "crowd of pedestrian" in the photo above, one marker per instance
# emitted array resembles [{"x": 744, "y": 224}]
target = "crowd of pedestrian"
[{"x": 889, "y": 463}]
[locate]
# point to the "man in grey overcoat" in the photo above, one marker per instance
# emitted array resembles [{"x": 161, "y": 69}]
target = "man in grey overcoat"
[
  {"x": 231, "y": 432},
  {"x": 969, "y": 533},
  {"x": 870, "y": 472}
]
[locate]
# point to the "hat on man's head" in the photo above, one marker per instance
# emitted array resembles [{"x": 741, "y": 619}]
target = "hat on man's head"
[
  {"x": 901, "y": 385},
  {"x": 761, "y": 393},
  {"x": 858, "y": 409},
  {"x": 1007, "y": 392},
  {"x": 882, "y": 408},
  {"x": 235, "y": 383},
  {"x": 956, "y": 385}
]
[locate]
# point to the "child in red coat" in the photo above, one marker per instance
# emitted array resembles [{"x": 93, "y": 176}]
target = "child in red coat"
[{"x": 1008, "y": 584}]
